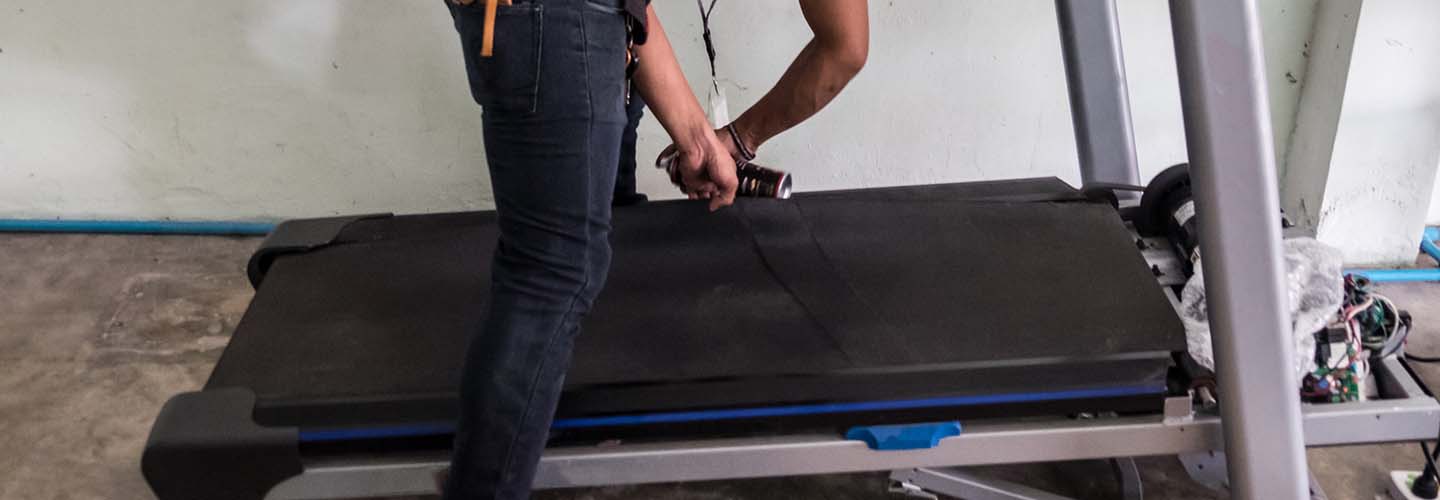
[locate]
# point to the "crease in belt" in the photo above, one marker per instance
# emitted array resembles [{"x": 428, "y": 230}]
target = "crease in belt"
[{"x": 791, "y": 253}]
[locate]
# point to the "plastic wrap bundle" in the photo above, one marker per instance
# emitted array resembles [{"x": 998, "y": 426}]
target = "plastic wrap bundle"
[{"x": 1315, "y": 285}]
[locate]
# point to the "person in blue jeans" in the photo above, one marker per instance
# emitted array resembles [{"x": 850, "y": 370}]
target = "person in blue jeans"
[{"x": 552, "y": 78}]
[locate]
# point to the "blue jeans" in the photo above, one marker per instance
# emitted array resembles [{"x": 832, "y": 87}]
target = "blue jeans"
[{"x": 553, "y": 103}]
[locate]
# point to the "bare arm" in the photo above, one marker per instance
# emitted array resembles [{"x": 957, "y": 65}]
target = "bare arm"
[
  {"x": 822, "y": 69},
  {"x": 705, "y": 164}
]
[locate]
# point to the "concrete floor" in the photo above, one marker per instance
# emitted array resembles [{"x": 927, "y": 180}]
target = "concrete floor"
[{"x": 96, "y": 332}]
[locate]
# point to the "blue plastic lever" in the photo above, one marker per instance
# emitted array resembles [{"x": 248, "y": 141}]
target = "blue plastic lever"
[{"x": 904, "y": 437}]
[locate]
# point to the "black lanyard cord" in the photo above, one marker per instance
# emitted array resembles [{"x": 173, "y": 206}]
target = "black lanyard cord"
[{"x": 705, "y": 23}]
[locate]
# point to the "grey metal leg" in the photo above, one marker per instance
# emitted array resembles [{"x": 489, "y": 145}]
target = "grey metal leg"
[
  {"x": 1316, "y": 492},
  {"x": 957, "y": 483},
  {"x": 1227, "y": 128},
  {"x": 1099, "y": 100},
  {"x": 1207, "y": 468},
  {"x": 1128, "y": 475}
]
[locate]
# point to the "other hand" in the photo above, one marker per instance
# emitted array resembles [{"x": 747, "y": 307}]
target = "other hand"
[{"x": 705, "y": 168}]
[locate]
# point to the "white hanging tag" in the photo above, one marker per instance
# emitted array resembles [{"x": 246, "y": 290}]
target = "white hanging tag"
[{"x": 719, "y": 106}]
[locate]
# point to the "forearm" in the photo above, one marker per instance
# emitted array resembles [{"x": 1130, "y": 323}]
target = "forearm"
[
  {"x": 818, "y": 74},
  {"x": 660, "y": 81},
  {"x": 814, "y": 79}
]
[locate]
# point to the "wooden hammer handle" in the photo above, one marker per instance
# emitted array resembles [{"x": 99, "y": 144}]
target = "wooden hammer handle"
[{"x": 487, "y": 41}]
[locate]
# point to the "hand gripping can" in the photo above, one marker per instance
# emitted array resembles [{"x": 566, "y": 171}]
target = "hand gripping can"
[{"x": 755, "y": 181}]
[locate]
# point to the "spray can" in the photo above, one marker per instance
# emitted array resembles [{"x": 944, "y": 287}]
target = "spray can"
[{"x": 755, "y": 181}]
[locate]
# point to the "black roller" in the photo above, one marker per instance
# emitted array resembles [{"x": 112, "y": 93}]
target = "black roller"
[{"x": 1167, "y": 209}]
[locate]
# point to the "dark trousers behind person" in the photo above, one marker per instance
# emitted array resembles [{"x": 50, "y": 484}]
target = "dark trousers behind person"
[
  {"x": 626, "y": 191},
  {"x": 554, "y": 112}
]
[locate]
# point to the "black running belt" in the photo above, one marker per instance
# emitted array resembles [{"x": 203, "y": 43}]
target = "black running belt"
[
  {"x": 788, "y": 249},
  {"x": 986, "y": 293}
]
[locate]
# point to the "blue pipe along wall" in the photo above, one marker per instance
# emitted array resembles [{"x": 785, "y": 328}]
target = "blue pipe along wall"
[
  {"x": 219, "y": 228},
  {"x": 1427, "y": 245}
]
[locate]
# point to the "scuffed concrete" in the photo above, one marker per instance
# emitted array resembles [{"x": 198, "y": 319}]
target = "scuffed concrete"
[
  {"x": 96, "y": 332},
  {"x": 165, "y": 315},
  {"x": 79, "y": 427}
]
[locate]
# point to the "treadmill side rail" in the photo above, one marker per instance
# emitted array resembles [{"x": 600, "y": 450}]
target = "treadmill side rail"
[
  {"x": 205, "y": 445},
  {"x": 1407, "y": 419},
  {"x": 1380, "y": 421},
  {"x": 1410, "y": 415}
]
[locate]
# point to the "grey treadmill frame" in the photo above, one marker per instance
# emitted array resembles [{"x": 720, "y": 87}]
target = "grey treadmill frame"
[
  {"x": 1099, "y": 97},
  {"x": 1232, "y": 169},
  {"x": 1217, "y": 45},
  {"x": 1411, "y": 416}
]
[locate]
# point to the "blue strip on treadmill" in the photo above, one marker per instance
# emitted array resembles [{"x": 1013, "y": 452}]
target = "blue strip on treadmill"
[
  {"x": 817, "y": 409},
  {"x": 775, "y": 411},
  {"x": 322, "y": 435}
]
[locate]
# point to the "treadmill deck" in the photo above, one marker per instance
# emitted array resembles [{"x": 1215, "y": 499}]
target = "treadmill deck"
[{"x": 989, "y": 298}]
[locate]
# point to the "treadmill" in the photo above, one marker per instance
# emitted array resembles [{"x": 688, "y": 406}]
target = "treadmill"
[
  {"x": 829, "y": 312},
  {"x": 1022, "y": 309}
]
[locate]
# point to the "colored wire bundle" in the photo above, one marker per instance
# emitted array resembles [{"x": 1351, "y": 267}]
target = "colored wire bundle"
[
  {"x": 1380, "y": 326},
  {"x": 1372, "y": 328}
]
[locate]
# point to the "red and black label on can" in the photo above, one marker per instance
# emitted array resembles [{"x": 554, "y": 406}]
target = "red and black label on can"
[{"x": 760, "y": 182}]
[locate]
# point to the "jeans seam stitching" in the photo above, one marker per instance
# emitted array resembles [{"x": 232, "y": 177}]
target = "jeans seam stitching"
[
  {"x": 539, "y": 20},
  {"x": 525, "y": 414}
]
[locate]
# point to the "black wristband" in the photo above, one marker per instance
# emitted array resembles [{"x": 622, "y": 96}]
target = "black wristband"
[{"x": 745, "y": 151}]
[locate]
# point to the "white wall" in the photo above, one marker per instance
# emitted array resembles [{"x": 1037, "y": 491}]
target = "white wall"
[
  {"x": 234, "y": 109},
  {"x": 1286, "y": 30},
  {"x": 1306, "y": 169},
  {"x": 272, "y": 108},
  {"x": 1433, "y": 217},
  {"x": 1387, "y": 146}
]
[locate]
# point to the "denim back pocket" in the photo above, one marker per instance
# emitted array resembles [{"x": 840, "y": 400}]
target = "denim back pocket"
[{"x": 508, "y": 80}]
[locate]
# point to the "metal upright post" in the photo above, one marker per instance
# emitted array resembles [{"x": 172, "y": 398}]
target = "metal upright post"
[
  {"x": 1227, "y": 128},
  {"x": 1099, "y": 99}
]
